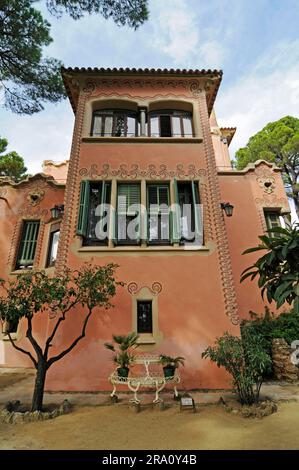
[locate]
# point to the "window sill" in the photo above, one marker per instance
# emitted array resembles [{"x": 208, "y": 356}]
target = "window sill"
[
  {"x": 146, "y": 339},
  {"x": 148, "y": 249},
  {"x": 137, "y": 140},
  {"x": 15, "y": 272}
]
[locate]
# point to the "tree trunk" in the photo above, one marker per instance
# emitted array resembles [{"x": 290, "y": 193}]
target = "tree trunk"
[{"x": 38, "y": 394}]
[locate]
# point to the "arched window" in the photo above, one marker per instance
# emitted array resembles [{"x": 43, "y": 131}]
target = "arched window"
[
  {"x": 170, "y": 123},
  {"x": 114, "y": 123}
]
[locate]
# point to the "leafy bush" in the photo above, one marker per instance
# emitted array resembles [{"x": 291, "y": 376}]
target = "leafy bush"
[
  {"x": 285, "y": 326},
  {"x": 278, "y": 269},
  {"x": 245, "y": 359}
]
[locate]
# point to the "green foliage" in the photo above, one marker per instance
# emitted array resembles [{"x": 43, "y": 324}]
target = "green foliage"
[
  {"x": 125, "y": 351},
  {"x": 27, "y": 77},
  {"x": 35, "y": 293},
  {"x": 278, "y": 269},
  {"x": 277, "y": 142},
  {"x": 285, "y": 326},
  {"x": 168, "y": 361},
  {"x": 245, "y": 359},
  {"x": 132, "y": 13},
  {"x": 11, "y": 164}
]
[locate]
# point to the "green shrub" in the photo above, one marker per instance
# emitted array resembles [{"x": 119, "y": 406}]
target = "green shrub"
[
  {"x": 245, "y": 359},
  {"x": 285, "y": 325}
]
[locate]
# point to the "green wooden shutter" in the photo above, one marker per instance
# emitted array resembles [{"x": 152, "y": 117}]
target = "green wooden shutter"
[
  {"x": 28, "y": 243},
  {"x": 83, "y": 208},
  {"x": 197, "y": 215},
  {"x": 175, "y": 219},
  {"x": 130, "y": 194}
]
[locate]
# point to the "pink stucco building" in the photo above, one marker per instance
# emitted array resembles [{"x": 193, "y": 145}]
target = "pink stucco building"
[{"x": 148, "y": 136}]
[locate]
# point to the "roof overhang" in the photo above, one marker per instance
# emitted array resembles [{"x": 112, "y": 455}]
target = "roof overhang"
[
  {"x": 228, "y": 133},
  {"x": 71, "y": 78}
]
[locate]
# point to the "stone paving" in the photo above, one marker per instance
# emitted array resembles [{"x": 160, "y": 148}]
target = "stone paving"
[{"x": 22, "y": 390}]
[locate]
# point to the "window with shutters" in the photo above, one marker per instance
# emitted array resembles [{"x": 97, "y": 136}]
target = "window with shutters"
[
  {"x": 158, "y": 214},
  {"x": 27, "y": 247},
  {"x": 144, "y": 316},
  {"x": 272, "y": 220},
  {"x": 189, "y": 215},
  {"x": 53, "y": 246},
  {"x": 93, "y": 217},
  {"x": 128, "y": 214},
  {"x": 114, "y": 123},
  {"x": 170, "y": 123}
]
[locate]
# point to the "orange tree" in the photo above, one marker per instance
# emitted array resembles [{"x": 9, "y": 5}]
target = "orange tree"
[{"x": 35, "y": 293}]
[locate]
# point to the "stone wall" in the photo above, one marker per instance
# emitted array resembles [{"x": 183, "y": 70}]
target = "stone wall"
[{"x": 282, "y": 365}]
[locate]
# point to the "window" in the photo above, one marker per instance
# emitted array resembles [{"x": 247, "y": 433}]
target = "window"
[
  {"x": 170, "y": 123},
  {"x": 190, "y": 226},
  {"x": 158, "y": 214},
  {"x": 272, "y": 220},
  {"x": 144, "y": 316},
  {"x": 53, "y": 246},
  {"x": 10, "y": 326},
  {"x": 28, "y": 243},
  {"x": 128, "y": 214},
  {"x": 93, "y": 219},
  {"x": 114, "y": 123}
]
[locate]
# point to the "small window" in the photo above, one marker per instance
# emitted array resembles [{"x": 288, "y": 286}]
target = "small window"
[
  {"x": 170, "y": 123},
  {"x": 144, "y": 316},
  {"x": 10, "y": 326},
  {"x": 114, "y": 123},
  {"x": 53, "y": 247},
  {"x": 272, "y": 220},
  {"x": 27, "y": 248}
]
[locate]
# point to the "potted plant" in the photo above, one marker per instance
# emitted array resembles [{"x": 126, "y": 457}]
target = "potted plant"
[
  {"x": 124, "y": 351},
  {"x": 170, "y": 364}
]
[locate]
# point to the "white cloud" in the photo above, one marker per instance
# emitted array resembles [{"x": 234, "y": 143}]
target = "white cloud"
[
  {"x": 261, "y": 97},
  {"x": 177, "y": 34},
  {"x": 43, "y": 136}
]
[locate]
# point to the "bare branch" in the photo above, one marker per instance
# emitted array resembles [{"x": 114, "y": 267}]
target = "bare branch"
[
  {"x": 22, "y": 350},
  {"x": 76, "y": 341}
]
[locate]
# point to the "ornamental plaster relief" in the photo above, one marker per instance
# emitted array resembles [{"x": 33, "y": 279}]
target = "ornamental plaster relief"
[
  {"x": 132, "y": 87},
  {"x": 155, "y": 288},
  {"x": 134, "y": 171}
]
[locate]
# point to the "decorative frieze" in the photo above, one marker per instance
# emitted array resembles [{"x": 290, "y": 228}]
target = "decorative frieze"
[
  {"x": 190, "y": 87},
  {"x": 134, "y": 171},
  {"x": 217, "y": 229}
]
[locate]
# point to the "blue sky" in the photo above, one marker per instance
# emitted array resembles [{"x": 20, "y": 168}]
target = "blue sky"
[{"x": 255, "y": 43}]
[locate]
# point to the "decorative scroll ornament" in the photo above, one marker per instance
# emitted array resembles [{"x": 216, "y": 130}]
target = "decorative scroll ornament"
[
  {"x": 265, "y": 179},
  {"x": 134, "y": 171},
  {"x": 155, "y": 289},
  {"x": 272, "y": 201},
  {"x": 35, "y": 196}
]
